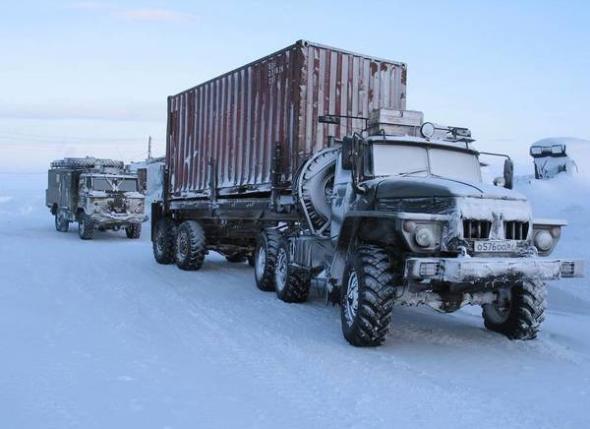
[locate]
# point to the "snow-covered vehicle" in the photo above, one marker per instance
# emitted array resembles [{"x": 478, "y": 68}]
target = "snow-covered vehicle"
[
  {"x": 407, "y": 220},
  {"x": 550, "y": 157},
  {"x": 398, "y": 217},
  {"x": 257, "y": 168},
  {"x": 97, "y": 193}
]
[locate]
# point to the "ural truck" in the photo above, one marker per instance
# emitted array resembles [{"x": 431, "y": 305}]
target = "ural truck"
[
  {"x": 97, "y": 193},
  {"x": 307, "y": 163}
]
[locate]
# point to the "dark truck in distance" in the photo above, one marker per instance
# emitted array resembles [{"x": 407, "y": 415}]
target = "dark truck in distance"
[
  {"x": 551, "y": 158},
  {"x": 97, "y": 193},
  {"x": 395, "y": 214}
]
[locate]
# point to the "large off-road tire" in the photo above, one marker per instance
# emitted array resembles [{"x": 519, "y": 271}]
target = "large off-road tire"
[
  {"x": 86, "y": 228},
  {"x": 367, "y": 296},
  {"x": 520, "y": 314},
  {"x": 133, "y": 231},
  {"x": 290, "y": 286},
  {"x": 61, "y": 221},
  {"x": 265, "y": 258},
  {"x": 191, "y": 246},
  {"x": 236, "y": 258},
  {"x": 164, "y": 241}
]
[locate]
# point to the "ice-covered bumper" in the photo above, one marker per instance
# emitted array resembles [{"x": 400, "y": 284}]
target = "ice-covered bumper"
[
  {"x": 470, "y": 269},
  {"x": 114, "y": 218}
]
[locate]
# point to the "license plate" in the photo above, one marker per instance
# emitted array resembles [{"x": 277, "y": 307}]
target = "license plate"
[{"x": 494, "y": 246}]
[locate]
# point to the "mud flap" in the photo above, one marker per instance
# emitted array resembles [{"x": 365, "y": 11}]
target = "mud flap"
[{"x": 157, "y": 213}]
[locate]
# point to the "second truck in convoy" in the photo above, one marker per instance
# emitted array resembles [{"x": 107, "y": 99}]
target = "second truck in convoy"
[
  {"x": 307, "y": 163},
  {"x": 99, "y": 194}
]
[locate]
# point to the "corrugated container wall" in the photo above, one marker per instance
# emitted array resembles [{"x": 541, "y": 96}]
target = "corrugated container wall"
[{"x": 239, "y": 118}]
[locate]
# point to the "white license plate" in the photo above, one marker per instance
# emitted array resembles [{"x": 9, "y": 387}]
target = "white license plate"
[{"x": 494, "y": 246}]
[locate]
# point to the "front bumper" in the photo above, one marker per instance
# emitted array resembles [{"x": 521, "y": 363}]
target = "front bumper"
[
  {"x": 117, "y": 218},
  {"x": 463, "y": 270}
]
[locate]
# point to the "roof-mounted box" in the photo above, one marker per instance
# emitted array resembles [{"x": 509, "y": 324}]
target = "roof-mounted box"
[{"x": 395, "y": 122}]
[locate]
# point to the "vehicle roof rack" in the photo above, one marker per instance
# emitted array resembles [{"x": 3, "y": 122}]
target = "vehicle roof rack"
[{"x": 88, "y": 163}]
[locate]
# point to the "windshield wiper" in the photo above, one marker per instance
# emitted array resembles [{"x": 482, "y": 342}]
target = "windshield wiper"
[{"x": 407, "y": 173}]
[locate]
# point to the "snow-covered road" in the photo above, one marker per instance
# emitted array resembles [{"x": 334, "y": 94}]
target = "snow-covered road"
[{"x": 97, "y": 335}]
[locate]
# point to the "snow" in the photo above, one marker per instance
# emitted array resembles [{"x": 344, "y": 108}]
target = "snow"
[
  {"x": 96, "y": 334},
  {"x": 476, "y": 208}
]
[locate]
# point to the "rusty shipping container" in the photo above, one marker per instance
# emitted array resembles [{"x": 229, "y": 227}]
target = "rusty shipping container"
[{"x": 223, "y": 134}]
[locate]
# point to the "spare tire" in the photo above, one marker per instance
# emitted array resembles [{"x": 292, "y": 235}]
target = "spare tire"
[{"x": 314, "y": 185}]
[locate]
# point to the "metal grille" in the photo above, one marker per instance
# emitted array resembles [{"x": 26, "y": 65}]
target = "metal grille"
[
  {"x": 476, "y": 229},
  {"x": 118, "y": 204},
  {"x": 515, "y": 230}
]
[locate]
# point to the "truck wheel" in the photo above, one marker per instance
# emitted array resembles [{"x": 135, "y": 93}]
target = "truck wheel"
[
  {"x": 85, "y": 228},
  {"x": 520, "y": 314},
  {"x": 289, "y": 285},
  {"x": 133, "y": 231},
  {"x": 61, "y": 222},
  {"x": 190, "y": 246},
  {"x": 164, "y": 241},
  {"x": 265, "y": 258},
  {"x": 236, "y": 258},
  {"x": 367, "y": 297}
]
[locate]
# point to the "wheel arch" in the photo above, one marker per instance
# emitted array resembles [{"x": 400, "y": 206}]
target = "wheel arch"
[
  {"x": 362, "y": 229},
  {"x": 79, "y": 212}
]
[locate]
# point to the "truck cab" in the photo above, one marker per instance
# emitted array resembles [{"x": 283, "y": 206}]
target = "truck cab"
[
  {"x": 411, "y": 222},
  {"x": 551, "y": 158},
  {"x": 430, "y": 179},
  {"x": 110, "y": 201}
]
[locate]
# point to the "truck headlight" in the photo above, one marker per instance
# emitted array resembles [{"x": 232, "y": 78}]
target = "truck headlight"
[
  {"x": 557, "y": 149},
  {"x": 423, "y": 236},
  {"x": 429, "y": 269},
  {"x": 546, "y": 233},
  {"x": 543, "y": 240},
  {"x": 422, "y": 233}
]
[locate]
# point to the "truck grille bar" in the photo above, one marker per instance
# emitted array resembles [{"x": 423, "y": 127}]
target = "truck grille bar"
[
  {"x": 515, "y": 230},
  {"x": 476, "y": 229}
]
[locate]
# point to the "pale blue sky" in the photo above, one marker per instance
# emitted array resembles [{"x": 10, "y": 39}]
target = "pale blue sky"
[{"x": 92, "y": 77}]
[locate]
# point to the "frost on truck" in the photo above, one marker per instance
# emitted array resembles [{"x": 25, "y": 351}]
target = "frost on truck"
[
  {"x": 551, "y": 158},
  {"x": 97, "y": 193},
  {"x": 390, "y": 212}
]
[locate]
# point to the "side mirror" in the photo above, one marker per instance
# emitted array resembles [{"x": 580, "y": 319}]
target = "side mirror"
[
  {"x": 347, "y": 153},
  {"x": 508, "y": 173}
]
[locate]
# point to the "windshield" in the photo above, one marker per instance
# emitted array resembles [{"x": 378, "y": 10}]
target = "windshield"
[
  {"x": 416, "y": 160},
  {"x": 114, "y": 184}
]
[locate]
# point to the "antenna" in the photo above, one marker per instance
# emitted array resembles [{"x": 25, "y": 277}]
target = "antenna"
[{"x": 149, "y": 157}]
